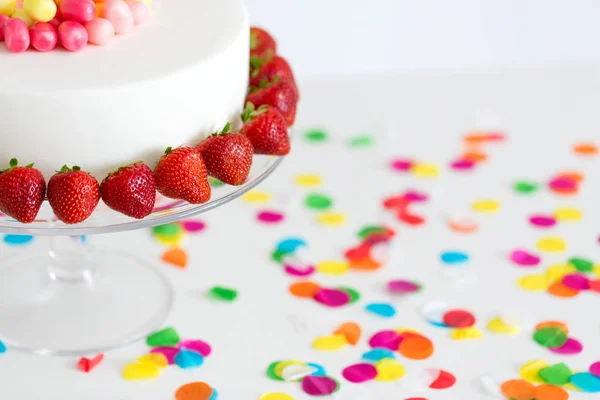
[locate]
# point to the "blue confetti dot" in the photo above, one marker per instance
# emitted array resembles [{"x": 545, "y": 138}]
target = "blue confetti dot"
[
  {"x": 586, "y": 382},
  {"x": 378, "y": 354},
  {"x": 382, "y": 309},
  {"x": 214, "y": 395},
  {"x": 438, "y": 324},
  {"x": 188, "y": 359},
  {"x": 454, "y": 257},
  {"x": 320, "y": 370},
  {"x": 2, "y": 347},
  {"x": 290, "y": 245},
  {"x": 17, "y": 240}
]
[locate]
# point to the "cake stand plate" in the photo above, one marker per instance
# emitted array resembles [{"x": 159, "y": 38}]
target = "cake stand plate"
[{"x": 74, "y": 300}]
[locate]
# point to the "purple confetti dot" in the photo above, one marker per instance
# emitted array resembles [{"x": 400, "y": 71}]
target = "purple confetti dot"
[
  {"x": 198, "y": 346},
  {"x": 415, "y": 197},
  {"x": 386, "y": 339},
  {"x": 401, "y": 165},
  {"x": 563, "y": 183},
  {"x": 168, "y": 352},
  {"x": 462, "y": 165},
  {"x": 571, "y": 346},
  {"x": 576, "y": 281},
  {"x": 192, "y": 226},
  {"x": 524, "y": 258},
  {"x": 542, "y": 221},
  {"x": 403, "y": 286},
  {"x": 270, "y": 217},
  {"x": 595, "y": 369},
  {"x": 299, "y": 271},
  {"x": 359, "y": 373},
  {"x": 332, "y": 297},
  {"x": 319, "y": 385}
]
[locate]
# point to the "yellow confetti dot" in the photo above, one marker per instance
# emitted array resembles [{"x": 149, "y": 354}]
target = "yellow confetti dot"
[
  {"x": 499, "y": 326},
  {"x": 533, "y": 283},
  {"x": 330, "y": 343},
  {"x": 170, "y": 240},
  {"x": 486, "y": 206},
  {"x": 552, "y": 244},
  {"x": 308, "y": 180},
  {"x": 568, "y": 214},
  {"x": 466, "y": 333},
  {"x": 278, "y": 370},
  {"x": 596, "y": 271},
  {"x": 331, "y": 218},
  {"x": 333, "y": 267},
  {"x": 256, "y": 197},
  {"x": 400, "y": 331},
  {"x": 133, "y": 372},
  {"x": 276, "y": 396},
  {"x": 556, "y": 272},
  {"x": 156, "y": 359},
  {"x": 530, "y": 371},
  {"x": 389, "y": 370},
  {"x": 425, "y": 170}
]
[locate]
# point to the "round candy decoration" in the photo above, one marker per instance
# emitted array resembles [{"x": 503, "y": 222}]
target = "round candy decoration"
[
  {"x": 100, "y": 31},
  {"x": 72, "y": 35},
  {"x": 43, "y": 36},
  {"x": 16, "y": 35},
  {"x": 459, "y": 319},
  {"x": 119, "y": 14},
  {"x": 81, "y": 11}
]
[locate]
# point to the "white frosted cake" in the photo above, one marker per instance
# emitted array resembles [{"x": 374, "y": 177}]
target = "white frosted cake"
[{"x": 170, "y": 82}]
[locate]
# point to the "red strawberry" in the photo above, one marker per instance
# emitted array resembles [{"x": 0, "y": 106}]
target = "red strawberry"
[
  {"x": 266, "y": 129},
  {"x": 268, "y": 69},
  {"x": 228, "y": 156},
  {"x": 282, "y": 95},
  {"x": 73, "y": 194},
  {"x": 261, "y": 43},
  {"x": 22, "y": 192},
  {"x": 181, "y": 174},
  {"x": 130, "y": 190}
]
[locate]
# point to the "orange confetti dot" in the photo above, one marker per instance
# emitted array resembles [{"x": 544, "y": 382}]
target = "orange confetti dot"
[
  {"x": 550, "y": 392},
  {"x": 415, "y": 347},
  {"x": 559, "y": 290},
  {"x": 475, "y": 156},
  {"x": 586, "y": 149},
  {"x": 365, "y": 264},
  {"x": 194, "y": 391},
  {"x": 304, "y": 289},
  {"x": 480, "y": 137},
  {"x": 518, "y": 389},
  {"x": 574, "y": 175},
  {"x": 176, "y": 257},
  {"x": 463, "y": 226},
  {"x": 351, "y": 330},
  {"x": 556, "y": 324}
]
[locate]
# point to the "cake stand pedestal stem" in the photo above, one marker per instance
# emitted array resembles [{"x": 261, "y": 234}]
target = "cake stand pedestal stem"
[{"x": 71, "y": 260}]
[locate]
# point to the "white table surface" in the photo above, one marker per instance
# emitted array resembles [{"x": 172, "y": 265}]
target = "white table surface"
[{"x": 422, "y": 117}]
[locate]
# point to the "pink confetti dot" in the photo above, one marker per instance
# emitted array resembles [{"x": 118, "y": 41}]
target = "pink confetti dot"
[
  {"x": 198, "y": 346},
  {"x": 563, "y": 183},
  {"x": 524, "y": 258},
  {"x": 403, "y": 286},
  {"x": 359, "y": 373},
  {"x": 416, "y": 197},
  {"x": 192, "y": 226},
  {"x": 386, "y": 339},
  {"x": 576, "y": 281},
  {"x": 595, "y": 369},
  {"x": 542, "y": 221},
  {"x": 400, "y": 164},
  {"x": 571, "y": 346},
  {"x": 462, "y": 165},
  {"x": 299, "y": 270},
  {"x": 168, "y": 352},
  {"x": 270, "y": 217},
  {"x": 332, "y": 297},
  {"x": 319, "y": 385}
]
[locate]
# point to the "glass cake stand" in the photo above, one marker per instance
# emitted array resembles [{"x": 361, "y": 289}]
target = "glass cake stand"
[{"x": 76, "y": 300}]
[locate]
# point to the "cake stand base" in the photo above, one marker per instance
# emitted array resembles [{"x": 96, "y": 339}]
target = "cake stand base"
[{"x": 69, "y": 303}]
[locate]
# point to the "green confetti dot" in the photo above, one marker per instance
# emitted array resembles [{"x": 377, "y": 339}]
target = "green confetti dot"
[
  {"x": 550, "y": 336},
  {"x": 271, "y": 371},
  {"x": 223, "y": 294},
  {"x": 316, "y": 135},
  {"x": 361, "y": 141},
  {"x": 168, "y": 230},
  {"x": 167, "y": 337},
  {"x": 278, "y": 255},
  {"x": 318, "y": 201},
  {"x": 369, "y": 230},
  {"x": 214, "y": 182},
  {"x": 354, "y": 295},
  {"x": 582, "y": 264},
  {"x": 524, "y": 187},
  {"x": 557, "y": 374}
]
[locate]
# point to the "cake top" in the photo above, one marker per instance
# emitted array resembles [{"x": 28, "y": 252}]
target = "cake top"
[{"x": 180, "y": 33}]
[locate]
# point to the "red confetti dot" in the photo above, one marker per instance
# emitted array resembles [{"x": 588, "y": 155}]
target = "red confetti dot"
[
  {"x": 86, "y": 365},
  {"x": 459, "y": 319},
  {"x": 444, "y": 381}
]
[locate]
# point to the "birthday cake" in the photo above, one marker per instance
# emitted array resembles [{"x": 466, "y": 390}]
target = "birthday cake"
[{"x": 104, "y": 86}]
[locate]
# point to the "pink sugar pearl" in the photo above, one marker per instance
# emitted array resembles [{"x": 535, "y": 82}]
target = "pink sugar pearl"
[
  {"x": 56, "y": 21},
  {"x": 3, "y": 20},
  {"x": 81, "y": 11},
  {"x": 43, "y": 36},
  {"x": 100, "y": 31},
  {"x": 72, "y": 35},
  {"x": 16, "y": 35},
  {"x": 140, "y": 11},
  {"x": 119, "y": 14}
]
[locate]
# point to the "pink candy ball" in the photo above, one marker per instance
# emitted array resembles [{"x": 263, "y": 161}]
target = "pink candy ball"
[
  {"x": 3, "y": 20},
  {"x": 43, "y": 36},
  {"x": 100, "y": 31},
  {"x": 16, "y": 35},
  {"x": 72, "y": 35},
  {"x": 81, "y": 11},
  {"x": 56, "y": 21},
  {"x": 140, "y": 11},
  {"x": 119, "y": 14}
]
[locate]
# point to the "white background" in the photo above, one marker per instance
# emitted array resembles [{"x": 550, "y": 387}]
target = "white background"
[{"x": 349, "y": 37}]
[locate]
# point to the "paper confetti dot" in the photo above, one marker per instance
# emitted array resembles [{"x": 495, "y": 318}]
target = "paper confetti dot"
[
  {"x": 571, "y": 346},
  {"x": 524, "y": 258},
  {"x": 188, "y": 359},
  {"x": 193, "y": 226},
  {"x": 354, "y": 295},
  {"x": 577, "y": 281},
  {"x": 194, "y": 391},
  {"x": 552, "y": 244},
  {"x": 533, "y": 283},
  {"x": 402, "y": 165},
  {"x": 530, "y": 370},
  {"x": 319, "y": 385},
  {"x": 351, "y": 331},
  {"x": 318, "y": 201},
  {"x": 586, "y": 382},
  {"x": 332, "y": 297},
  {"x": 176, "y": 257},
  {"x": 165, "y": 337},
  {"x": 296, "y": 372},
  {"x": 595, "y": 369},
  {"x": 157, "y": 359},
  {"x": 168, "y": 352},
  {"x": 276, "y": 396},
  {"x": 416, "y": 347},
  {"x": 304, "y": 289},
  {"x": 454, "y": 257},
  {"x": 499, "y": 326},
  {"x": 223, "y": 294},
  {"x": 389, "y": 370},
  {"x": 466, "y": 333},
  {"x": 586, "y": 149},
  {"x": 330, "y": 343},
  {"x": 133, "y": 372},
  {"x": 169, "y": 234},
  {"x": 557, "y": 374},
  {"x": 425, "y": 170},
  {"x": 445, "y": 380},
  {"x": 462, "y": 165},
  {"x": 550, "y": 392},
  {"x": 463, "y": 224},
  {"x": 568, "y": 214},
  {"x": 382, "y": 309},
  {"x": 359, "y": 373},
  {"x": 270, "y": 217},
  {"x": 402, "y": 286},
  {"x": 378, "y": 354},
  {"x": 434, "y": 312},
  {"x": 333, "y": 267},
  {"x": 331, "y": 218},
  {"x": 581, "y": 264},
  {"x": 2, "y": 347},
  {"x": 525, "y": 187},
  {"x": 290, "y": 245},
  {"x": 17, "y": 240},
  {"x": 316, "y": 135},
  {"x": 558, "y": 289},
  {"x": 542, "y": 221},
  {"x": 198, "y": 346},
  {"x": 256, "y": 197},
  {"x": 550, "y": 336},
  {"x": 308, "y": 180},
  {"x": 459, "y": 318},
  {"x": 486, "y": 206},
  {"x": 279, "y": 367},
  {"x": 386, "y": 339},
  {"x": 518, "y": 389},
  {"x": 361, "y": 141}
]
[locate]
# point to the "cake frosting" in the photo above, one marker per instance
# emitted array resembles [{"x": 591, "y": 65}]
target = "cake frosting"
[{"x": 174, "y": 80}]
